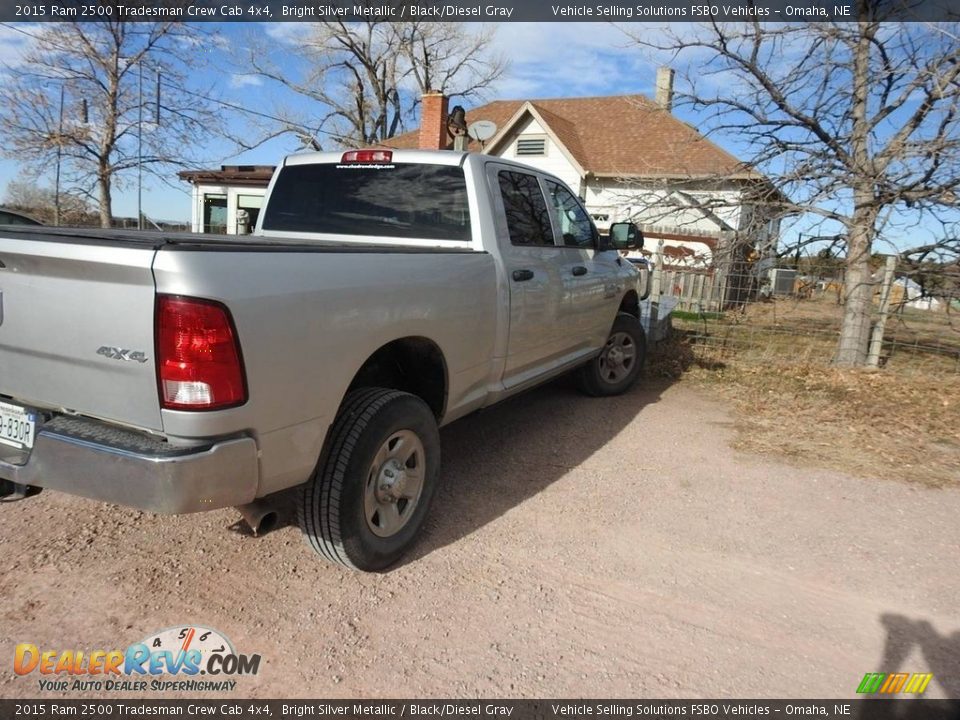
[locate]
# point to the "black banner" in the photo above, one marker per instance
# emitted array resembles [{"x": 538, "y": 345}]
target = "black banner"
[
  {"x": 470, "y": 10},
  {"x": 887, "y": 709}
]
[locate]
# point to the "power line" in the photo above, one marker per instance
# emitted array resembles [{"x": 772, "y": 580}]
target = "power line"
[
  {"x": 234, "y": 106},
  {"x": 19, "y": 30}
]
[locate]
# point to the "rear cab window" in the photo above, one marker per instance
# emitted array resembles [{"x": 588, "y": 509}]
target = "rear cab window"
[{"x": 395, "y": 200}]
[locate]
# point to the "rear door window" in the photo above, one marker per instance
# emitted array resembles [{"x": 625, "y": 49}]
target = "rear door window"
[
  {"x": 527, "y": 217},
  {"x": 402, "y": 201}
]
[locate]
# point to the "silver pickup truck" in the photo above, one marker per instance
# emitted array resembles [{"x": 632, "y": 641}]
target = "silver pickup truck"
[{"x": 382, "y": 295}]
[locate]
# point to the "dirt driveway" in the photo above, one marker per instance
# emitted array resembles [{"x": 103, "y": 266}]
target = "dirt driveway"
[{"x": 578, "y": 547}]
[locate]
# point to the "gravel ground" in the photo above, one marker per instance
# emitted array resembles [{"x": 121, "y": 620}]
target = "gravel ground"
[{"x": 578, "y": 547}]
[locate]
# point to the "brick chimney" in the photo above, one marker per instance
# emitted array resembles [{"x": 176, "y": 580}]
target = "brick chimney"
[
  {"x": 665, "y": 88},
  {"x": 433, "y": 121}
]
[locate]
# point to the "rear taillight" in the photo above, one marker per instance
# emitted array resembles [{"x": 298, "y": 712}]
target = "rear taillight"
[{"x": 198, "y": 355}]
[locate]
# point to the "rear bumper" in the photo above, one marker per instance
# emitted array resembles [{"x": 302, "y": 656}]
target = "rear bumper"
[{"x": 118, "y": 466}]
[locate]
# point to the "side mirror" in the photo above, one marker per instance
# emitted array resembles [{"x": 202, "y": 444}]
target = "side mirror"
[{"x": 626, "y": 236}]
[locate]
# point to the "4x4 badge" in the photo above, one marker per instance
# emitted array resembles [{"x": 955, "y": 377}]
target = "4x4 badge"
[{"x": 122, "y": 354}]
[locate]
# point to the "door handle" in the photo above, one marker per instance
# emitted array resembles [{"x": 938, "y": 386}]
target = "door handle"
[
  {"x": 521, "y": 275},
  {"x": 579, "y": 270}
]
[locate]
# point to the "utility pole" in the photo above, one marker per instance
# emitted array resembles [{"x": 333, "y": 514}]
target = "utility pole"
[
  {"x": 140, "y": 141},
  {"x": 140, "y": 152},
  {"x": 56, "y": 184}
]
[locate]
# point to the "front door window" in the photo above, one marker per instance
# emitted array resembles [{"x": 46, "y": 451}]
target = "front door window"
[{"x": 576, "y": 228}]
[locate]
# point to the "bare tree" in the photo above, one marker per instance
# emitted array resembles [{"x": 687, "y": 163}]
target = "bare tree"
[
  {"x": 856, "y": 122},
  {"x": 367, "y": 77},
  {"x": 85, "y": 91},
  {"x": 40, "y": 203},
  {"x": 445, "y": 57}
]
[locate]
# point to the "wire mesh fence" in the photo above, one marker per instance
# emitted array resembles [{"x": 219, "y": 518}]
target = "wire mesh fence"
[{"x": 790, "y": 311}]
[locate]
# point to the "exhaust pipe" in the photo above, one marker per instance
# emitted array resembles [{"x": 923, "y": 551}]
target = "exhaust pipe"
[
  {"x": 11, "y": 491},
  {"x": 260, "y": 515}
]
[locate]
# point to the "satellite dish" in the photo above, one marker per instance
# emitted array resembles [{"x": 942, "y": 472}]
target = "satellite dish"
[{"x": 482, "y": 130}]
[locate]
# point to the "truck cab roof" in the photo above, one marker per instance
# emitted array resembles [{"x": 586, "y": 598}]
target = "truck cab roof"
[{"x": 431, "y": 157}]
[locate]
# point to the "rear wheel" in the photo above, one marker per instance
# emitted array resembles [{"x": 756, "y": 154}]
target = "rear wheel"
[
  {"x": 616, "y": 368},
  {"x": 370, "y": 493}
]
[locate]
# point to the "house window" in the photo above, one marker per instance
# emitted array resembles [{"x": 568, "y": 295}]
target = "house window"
[
  {"x": 214, "y": 213},
  {"x": 531, "y": 146}
]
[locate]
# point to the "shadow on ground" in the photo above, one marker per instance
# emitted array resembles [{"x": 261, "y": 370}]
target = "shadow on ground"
[
  {"x": 940, "y": 655},
  {"x": 497, "y": 458}
]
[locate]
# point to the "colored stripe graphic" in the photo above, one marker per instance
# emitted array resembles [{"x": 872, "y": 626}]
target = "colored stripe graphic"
[
  {"x": 871, "y": 683},
  {"x": 893, "y": 683},
  {"x": 918, "y": 683}
]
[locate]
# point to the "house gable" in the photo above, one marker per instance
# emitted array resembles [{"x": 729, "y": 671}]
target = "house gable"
[
  {"x": 528, "y": 120},
  {"x": 556, "y": 158}
]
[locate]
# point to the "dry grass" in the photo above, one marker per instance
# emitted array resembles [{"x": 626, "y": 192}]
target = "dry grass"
[
  {"x": 915, "y": 340},
  {"x": 899, "y": 423}
]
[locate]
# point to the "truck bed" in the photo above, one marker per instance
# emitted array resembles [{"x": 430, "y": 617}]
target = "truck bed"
[{"x": 77, "y": 333}]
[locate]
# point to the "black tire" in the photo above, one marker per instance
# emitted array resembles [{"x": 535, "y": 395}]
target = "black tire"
[
  {"x": 600, "y": 377},
  {"x": 332, "y": 510}
]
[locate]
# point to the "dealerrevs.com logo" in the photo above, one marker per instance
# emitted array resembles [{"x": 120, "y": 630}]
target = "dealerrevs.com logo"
[{"x": 186, "y": 652}]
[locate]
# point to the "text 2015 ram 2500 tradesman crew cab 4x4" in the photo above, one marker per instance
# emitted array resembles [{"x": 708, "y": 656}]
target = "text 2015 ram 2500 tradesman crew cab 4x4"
[{"x": 383, "y": 294}]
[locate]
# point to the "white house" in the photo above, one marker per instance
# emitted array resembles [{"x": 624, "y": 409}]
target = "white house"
[
  {"x": 228, "y": 200},
  {"x": 911, "y": 295}
]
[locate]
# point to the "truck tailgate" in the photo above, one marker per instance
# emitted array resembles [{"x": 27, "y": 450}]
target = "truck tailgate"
[{"x": 76, "y": 327}]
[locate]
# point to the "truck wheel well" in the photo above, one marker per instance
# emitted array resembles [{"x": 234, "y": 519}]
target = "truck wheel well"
[
  {"x": 414, "y": 365},
  {"x": 630, "y": 304}
]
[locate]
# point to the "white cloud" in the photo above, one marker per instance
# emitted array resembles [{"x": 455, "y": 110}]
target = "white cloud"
[
  {"x": 240, "y": 80},
  {"x": 291, "y": 33},
  {"x": 530, "y": 43},
  {"x": 569, "y": 59},
  {"x": 207, "y": 41}
]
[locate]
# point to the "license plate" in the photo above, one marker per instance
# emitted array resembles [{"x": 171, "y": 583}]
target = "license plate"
[{"x": 16, "y": 426}]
